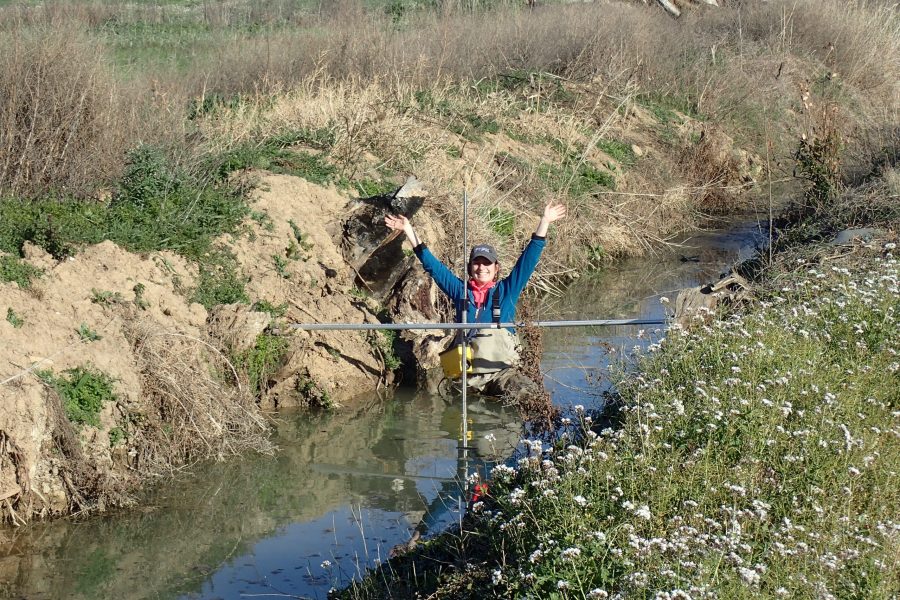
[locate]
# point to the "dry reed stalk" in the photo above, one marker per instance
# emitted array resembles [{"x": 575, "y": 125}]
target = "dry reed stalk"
[{"x": 196, "y": 413}]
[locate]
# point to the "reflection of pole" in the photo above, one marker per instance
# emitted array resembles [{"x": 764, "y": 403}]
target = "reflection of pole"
[{"x": 465, "y": 359}]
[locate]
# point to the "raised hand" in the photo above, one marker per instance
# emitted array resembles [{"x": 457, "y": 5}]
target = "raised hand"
[
  {"x": 554, "y": 212},
  {"x": 401, "y": 223},
  {"x": 397, "y": 223}
]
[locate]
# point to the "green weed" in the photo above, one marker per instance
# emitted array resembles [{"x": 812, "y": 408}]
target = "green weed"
[
  {"x": 597, "y": 255},
  {"x": 576, "y": 178},
  {"x": 14, "y": 270},
  {"x": 84, "y": 391},
  {"x": 13, "y": 319},
  {"x": 301, "y": 237},
  {"x": 275, "y": 155},
  {"x": 117, "y": 435},
  {"x": 275, "y": 311},
  {"x": 383, "y": 344},
  {"x": 621, "y": 152},
  {"x": 220, "y": 281},
  {"x": 281, "y": 266},
  {"x": 139, "y": 300},
  {"x": 262, "y": 361},
  {"x": 312, "y": 393},
  {"x": 501, "y": 221},
  {"x": 87, "y": 334},
  {"x": 156, "y": 207},
  {"x": 263, "y": 219},
  {"x": 106, "y": 298},
  {"x": 370, "y": 188}
]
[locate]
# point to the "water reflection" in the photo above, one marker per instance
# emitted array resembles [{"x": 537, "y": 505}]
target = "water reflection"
[
  {"x": 576, "y": 361},
  {"x": 343, "y": 488}
]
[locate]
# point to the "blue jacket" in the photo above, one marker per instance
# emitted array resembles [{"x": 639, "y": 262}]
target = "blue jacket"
[{"x": 509, "y": 288}]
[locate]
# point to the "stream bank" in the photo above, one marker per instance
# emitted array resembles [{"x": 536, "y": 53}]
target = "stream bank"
[{"x": 344, "y": 487}]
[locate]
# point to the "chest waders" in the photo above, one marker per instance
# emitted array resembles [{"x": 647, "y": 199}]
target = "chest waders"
[{"x": 489, "y": 350}]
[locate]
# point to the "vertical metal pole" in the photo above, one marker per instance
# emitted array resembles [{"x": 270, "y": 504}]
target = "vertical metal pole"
[{"x": 465, "y": 358}]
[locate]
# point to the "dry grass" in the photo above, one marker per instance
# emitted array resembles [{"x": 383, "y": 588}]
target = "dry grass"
[
  {"x": 196, "y": 414},
  {"x": 356, "y": 73},
  {"x": 65, "y": 120}
]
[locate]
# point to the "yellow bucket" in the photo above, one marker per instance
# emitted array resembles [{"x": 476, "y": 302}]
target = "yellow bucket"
[{"x": 451, "y": 361}]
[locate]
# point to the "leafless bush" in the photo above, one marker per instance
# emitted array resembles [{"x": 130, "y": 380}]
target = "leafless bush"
[
  {"x": 196, "y": 414},
  {"x": 63, "y": 125}
]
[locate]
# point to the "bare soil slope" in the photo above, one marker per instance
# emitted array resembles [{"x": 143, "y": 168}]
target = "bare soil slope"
[{"x": 129, "y": 318}]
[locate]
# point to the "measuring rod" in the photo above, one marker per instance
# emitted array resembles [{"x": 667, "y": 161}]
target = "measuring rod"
[
  {"x": 405, "y": 326},
  {"x": 463, "y": 344}
]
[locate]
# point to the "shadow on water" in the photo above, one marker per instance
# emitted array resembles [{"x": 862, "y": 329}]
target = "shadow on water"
[{"x": 344, "y": 488}]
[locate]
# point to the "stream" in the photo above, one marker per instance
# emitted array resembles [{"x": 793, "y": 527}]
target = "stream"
[{"x": 345, "y": 487}]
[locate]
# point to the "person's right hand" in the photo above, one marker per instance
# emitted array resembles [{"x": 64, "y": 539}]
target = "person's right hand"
[{"x": 397, "y": 223}]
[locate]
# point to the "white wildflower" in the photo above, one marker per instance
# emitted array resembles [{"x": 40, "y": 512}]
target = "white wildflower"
[
  {"x": 643, "y": 512},
  {"x": 749, "y": 576}
]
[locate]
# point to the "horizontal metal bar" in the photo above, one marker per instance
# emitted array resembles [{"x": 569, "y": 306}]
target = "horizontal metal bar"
[{"x": 403, "y": 326}]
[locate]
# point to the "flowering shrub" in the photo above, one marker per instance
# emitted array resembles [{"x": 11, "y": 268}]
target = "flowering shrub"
[{"x": 757, "y": 456}]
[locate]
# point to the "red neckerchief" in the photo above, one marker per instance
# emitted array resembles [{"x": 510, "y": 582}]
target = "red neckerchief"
[{"x": 480, "y": 291}]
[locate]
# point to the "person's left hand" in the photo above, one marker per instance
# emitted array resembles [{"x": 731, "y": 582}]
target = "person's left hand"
[{"x": 554, "y": 212}]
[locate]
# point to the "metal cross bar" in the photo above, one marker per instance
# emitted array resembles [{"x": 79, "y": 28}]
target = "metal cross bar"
[{"x": 405, "y": 326}]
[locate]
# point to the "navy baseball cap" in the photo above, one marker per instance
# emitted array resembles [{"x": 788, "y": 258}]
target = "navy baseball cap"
[{"x": 483, "y": 251}]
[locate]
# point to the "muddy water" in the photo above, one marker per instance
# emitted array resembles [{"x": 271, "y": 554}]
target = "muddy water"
[{"x": 344, "y": 488}]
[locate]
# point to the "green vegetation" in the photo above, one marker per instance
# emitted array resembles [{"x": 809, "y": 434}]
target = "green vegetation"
[
  {"x": 220, "y": 281},
  {"x": 117, "y": 435},
  {"x": 621, "y": 152},
  {"x": 312, "y": 393},
  {"x": 262, "y": 361},
  {"x": 501, "y": 221},
  {"x": 139, "y": 300},
  {"x": 299, "y": 247},
  {"x": 281, "y": 266},
  {"x": 83, "y": 391},
  {"x": 13, "y": 319},
  {"x": 544, "y": 88},
  {"x": 279, "y": 154},
  {"x": 106, "y": 298},
  {"x": 156, "y": 207},
  {"x": 575, "y": 177},
  {"x": 665, "y": 107},
  {"x": 276, "y": 312},
  {"x": 597, "y": 255},
  {"x": 87, "y": 334},
  {"x": 14, "y": 270},
  {"x": 383, "y": 344},
  {"x": 370, "y": 188}
]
